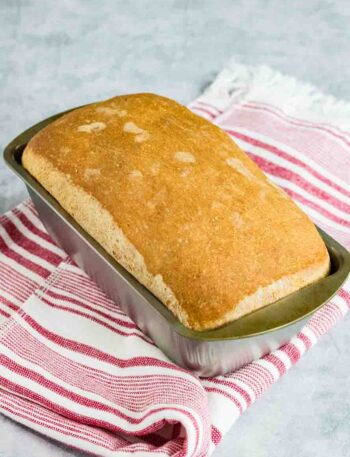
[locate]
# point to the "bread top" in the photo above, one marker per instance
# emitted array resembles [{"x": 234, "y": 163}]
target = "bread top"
[{"x": 203, "y": 216}]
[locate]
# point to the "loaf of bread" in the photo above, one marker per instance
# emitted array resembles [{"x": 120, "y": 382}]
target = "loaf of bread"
[{"x": 176, "y": 202}]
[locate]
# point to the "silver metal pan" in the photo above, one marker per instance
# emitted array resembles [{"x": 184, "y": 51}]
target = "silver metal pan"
[{"x": 207, "y": 353}]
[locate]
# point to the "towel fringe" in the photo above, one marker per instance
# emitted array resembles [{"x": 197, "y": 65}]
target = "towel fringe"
[{"x": 238, "y": 83}]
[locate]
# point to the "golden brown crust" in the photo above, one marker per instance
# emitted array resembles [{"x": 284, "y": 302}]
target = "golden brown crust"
[{"x": 176, "y": 202}]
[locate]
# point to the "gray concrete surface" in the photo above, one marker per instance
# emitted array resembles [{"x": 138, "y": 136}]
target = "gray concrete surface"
[{"x": 59, "y": 54}]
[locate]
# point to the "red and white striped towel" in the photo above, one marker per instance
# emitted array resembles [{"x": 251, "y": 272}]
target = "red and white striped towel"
[{"x": 74, "y": 367}]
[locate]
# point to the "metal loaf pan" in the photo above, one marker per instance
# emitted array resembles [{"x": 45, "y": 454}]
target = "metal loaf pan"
[{"x": 207, "y": 353}]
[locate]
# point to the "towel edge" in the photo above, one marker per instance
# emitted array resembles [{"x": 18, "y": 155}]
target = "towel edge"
[{"x": 238, "y": 83}]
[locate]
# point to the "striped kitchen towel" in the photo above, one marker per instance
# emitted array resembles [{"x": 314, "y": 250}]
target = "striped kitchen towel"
[{"x": 74, "y": 367}]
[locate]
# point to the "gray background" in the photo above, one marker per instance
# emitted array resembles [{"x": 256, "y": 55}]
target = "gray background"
[{"x": 59, "y": 54}]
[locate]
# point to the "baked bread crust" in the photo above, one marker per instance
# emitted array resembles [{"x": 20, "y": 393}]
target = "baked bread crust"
[{"x": 175, "y": 201}]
